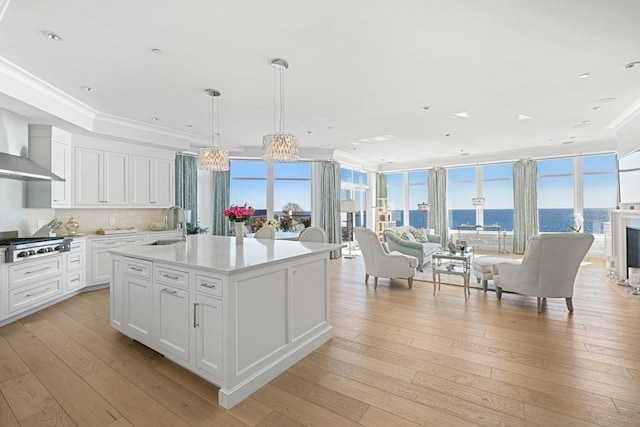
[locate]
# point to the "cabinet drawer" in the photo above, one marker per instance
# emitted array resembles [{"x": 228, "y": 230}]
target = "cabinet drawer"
[
  {"x": 77, "y": 245},
  {"x": 138, "y": 268},
  {"x": 209, "y": 285},
  {"x": 171, "y": 276},
  {"x": 75, "y": 260},
  {"x": 74, "y": 281},
  {"x": 28, "y": 296},
  {"x": 114, "y": 243},
  {"x": 25, "y": 274}
]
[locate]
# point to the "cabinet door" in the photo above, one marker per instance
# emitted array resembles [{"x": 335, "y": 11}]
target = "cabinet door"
[
  {"x": 60, "y": 165},
  {"x": 88, "y": 178},
  {"x": 171, "y": 322},
  {"x": 137, "y": 308},
  {"x": 116, "y": 179},
  {"x": 208, "y": 325},
  {"x": 141, "y": 181},
  {"x": 100, "y": 265},
  {"x": 163, "y": 181},
  {"x": 115, "y": 294}
]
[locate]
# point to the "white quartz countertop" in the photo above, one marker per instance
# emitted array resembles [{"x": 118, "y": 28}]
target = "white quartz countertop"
[{"x": 221, "y": 254}]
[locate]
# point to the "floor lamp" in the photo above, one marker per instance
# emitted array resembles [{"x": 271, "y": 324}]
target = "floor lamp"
[{"x": 349, "y": 206}]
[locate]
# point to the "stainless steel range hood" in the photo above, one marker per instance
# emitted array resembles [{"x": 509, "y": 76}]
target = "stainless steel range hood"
[{"x": 14, "y": 140}]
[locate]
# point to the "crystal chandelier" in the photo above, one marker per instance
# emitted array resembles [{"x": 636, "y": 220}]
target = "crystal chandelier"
[
  {"x": 213, "y": 158},
  {"x": 279, "y": 146}
]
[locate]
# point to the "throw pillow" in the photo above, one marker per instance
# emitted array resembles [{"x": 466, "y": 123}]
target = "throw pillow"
[
  {"x": 419, "y": 235},
  {"x": 407, "y": 236}
]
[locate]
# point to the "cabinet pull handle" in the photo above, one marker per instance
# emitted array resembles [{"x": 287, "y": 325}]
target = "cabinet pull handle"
[
  {"x": 37, "y": 293},
  {"x": 75, "y": 261},
  {"x": 138, "y": 269},
  {"x": 195, "y": 308},
  {"x": 109, "y": 243},
  {"x": 166, "y": 276},
  {"x": 168, "y": 291},
  {"x": 37, "y": 271},
  {"x": 208, "y": 285},
  {"x": 77, "y": 279}
]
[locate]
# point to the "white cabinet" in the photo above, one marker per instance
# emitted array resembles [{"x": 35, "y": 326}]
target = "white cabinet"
[
  {"x": 100, "y": 265},
  {"x": 137, "y": 300},
  {"x": 34, "y": 282},
  {"x": 115, "y": 294},
  {"x": 76, "y": 274},
  {"x": 170, "y": 330},
  {"x": 152, "y": 182},
  {"x": 101, "y": 178},
  {"x": 209, "y": 334},
  {"x": 4, "y": 290},
  {"x": 50, "y": 147}
]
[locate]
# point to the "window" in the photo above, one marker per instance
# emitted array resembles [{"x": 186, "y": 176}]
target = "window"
[
  {"x": 555, "y": 194},
  {"x": 461, "y": 188},
  {"x": 497, "y": 188},
  {"x": 354, "y": 186},
  {"x": 281, "y": 191},
  {"x": 599, "y": 189},
  {"x": 395, "y": 197},
  {"x": 418, "y": 193}
]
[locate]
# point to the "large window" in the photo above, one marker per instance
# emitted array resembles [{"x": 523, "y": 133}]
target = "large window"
[
  {"x": 461, "y": 189},
  {"x": 354, "y": 186},
  {"x": 555, "y": 194},
  {"x": 280, "y": 191},
  {"x": 395, "y": 197},
  {"x": 418, "y": 193},
  {"x": 497, "y": 189},
  {"x": 599, "y": 186}
]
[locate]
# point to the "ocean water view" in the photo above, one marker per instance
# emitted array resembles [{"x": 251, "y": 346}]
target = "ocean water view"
[{"x": 549, "y": 219}]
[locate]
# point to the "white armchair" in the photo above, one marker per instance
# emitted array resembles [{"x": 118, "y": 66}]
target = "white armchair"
[
  {"x": 548, "y": 269},
  {"x": 379, "y": 263},
  {"x": 313, "y": 234}
]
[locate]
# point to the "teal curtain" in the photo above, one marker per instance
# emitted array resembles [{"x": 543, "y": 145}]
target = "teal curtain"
[
  {"x": 330, "y": 210},
  {"x": 525, "y": 203},
  {"x": 438, "y": 217},
  {"x": 381, "y": 186},
  {"x": 186, "y": 184},
  {"x": 221, "y": 184}
]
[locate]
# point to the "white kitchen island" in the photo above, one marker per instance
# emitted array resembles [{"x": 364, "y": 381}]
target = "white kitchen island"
[{"x": 236, "y": 315}]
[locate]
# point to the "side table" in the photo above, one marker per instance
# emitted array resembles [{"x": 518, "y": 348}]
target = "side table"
[{"x": 458, "y": 264}]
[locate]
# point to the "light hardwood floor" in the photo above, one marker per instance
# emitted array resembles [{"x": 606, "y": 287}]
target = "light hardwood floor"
[{"x": 399, "y": 357}]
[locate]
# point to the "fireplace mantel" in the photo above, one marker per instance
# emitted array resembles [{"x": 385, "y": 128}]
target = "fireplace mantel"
[{"x": 620, "y": 219}]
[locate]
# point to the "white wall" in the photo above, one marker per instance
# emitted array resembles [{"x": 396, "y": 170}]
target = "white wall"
[{"x": 13, "y": 214}]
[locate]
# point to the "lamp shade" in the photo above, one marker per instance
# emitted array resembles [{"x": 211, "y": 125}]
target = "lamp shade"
[
  {"x": 424, "y": 207},
  {"x": 477, "y": 201},
  {"x": 348, "y": 206}
]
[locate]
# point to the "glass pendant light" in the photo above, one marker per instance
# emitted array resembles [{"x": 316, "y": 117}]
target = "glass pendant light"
[{"x": 213, "y": 158}]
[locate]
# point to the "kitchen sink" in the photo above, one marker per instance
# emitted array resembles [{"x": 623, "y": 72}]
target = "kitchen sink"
[{"x": 165, "y": 242}]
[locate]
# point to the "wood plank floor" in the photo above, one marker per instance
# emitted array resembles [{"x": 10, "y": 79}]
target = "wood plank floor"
[{"x": 399, "y": 357}]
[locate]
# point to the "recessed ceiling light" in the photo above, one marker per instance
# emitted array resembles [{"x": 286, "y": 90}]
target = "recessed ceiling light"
[
  {"x": 596, "y": 108},
  {"x": 189, "y": 126},
  {"x": 632, "y": 64},
  {"x": 447, "y": 134},
  {"x": 87, "y": 88},
  {"x": 329, "y": 127},
  {"x": 155, "y": 119},
  {"x": 426, "y": 107},
  {"x": 308, "y": 132},
  {"x": 524, "y": 117},
  {"x": 584, "y": 75},
  {"x": 52, "y": 36},
  {"x": 157, "y": 51},
  {"x": 462, "y": 115}
]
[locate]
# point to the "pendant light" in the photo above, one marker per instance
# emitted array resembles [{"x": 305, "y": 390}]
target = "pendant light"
[
  {"x": 213, "y": 158},
  {"x": 279, "y": 146}
]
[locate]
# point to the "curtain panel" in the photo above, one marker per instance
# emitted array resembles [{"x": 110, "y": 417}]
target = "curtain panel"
[
  {"x": 186, "y": 184},
  {"x": 525, "y": 203},
  {"x": 438, "y": 217},
  {"x": 221, "y": 196},
  {"x": 330, "y": 211}
]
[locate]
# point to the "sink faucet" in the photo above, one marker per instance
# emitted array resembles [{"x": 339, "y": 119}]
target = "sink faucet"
[{"x": 180, "y": 225}]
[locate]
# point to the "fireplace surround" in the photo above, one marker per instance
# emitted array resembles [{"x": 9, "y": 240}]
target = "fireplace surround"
[{"x": 621, "y": 220}]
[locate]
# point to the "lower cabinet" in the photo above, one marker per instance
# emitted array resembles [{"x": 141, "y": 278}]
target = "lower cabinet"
[
  {"x": 208, "y": 327},
  {"x": 34, "y": 282},
  {"x": 137, "y": 300},
  {"x": 171, "y": 326}
]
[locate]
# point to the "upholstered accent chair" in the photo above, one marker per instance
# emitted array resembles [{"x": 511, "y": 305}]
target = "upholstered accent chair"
[
  {"x": 548, "y": 269},
  {"x": 379, "y": 263},
  {"x": 313, "y": 234},
  {"x": 266, "y": 232}
]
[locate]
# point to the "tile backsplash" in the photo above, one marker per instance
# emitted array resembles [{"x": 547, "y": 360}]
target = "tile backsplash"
[{"x": 90, "y": 220}]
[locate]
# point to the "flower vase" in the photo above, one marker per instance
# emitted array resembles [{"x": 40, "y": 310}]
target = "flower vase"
[{"x": 239, "y": 226}]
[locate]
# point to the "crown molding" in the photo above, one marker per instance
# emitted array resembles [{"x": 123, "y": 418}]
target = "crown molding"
[{"x": 629, "y": 113}]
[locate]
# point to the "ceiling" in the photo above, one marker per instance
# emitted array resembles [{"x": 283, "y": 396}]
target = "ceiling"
[{"x": 360, "y": 72}]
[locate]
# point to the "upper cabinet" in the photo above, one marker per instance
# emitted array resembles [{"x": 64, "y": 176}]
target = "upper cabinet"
[
  {"x": 152, "y": 182},
  {"x": 51, "y": 148},
  {"x": 101, "y": 178}
]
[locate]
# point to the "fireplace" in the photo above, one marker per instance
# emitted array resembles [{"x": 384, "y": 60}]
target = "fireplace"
[
  {"x": 623, "y": 220},
  {"x": 633, "y": 249}
]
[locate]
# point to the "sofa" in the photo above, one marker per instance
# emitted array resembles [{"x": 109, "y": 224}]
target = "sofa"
[{"x": 412, "y": 241}]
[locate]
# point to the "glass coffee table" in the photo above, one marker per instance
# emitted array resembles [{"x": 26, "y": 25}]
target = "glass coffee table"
[{"x": 455, "y": 264}]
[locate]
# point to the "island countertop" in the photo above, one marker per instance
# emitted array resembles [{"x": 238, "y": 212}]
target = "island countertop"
[{"x": 221, "y": 254}]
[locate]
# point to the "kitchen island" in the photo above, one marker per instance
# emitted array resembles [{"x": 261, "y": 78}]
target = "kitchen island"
[{"x": 236, "y": 315}]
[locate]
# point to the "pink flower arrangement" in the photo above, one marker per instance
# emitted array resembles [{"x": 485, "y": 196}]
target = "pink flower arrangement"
[{"x": 238, "y": 213}]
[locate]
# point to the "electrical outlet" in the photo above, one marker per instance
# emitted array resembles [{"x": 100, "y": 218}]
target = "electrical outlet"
[{"x": 112, "y": 221}]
